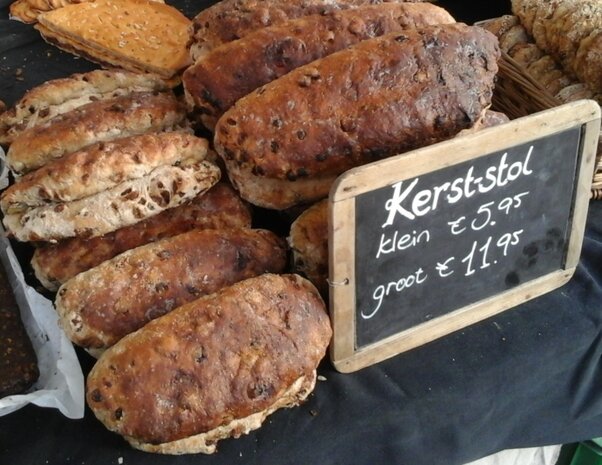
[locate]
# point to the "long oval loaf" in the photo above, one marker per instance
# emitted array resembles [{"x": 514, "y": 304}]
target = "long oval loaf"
[
  {"x": 213, "y": 369},
  {"x": 230, "y": 20},
  {"x": 59, "y": 96},
  {"x": 378, "y": 98},
  {"x": 229, "y": 72},
  {"x": 100, "y": 306},
  {"x": 308, "y": 237},
  {"x": 100, "y": 167},
  {"x": 128, "y": 203},
  {"x": 219, "y": 208},
  {"x": 98, "y": 121}
]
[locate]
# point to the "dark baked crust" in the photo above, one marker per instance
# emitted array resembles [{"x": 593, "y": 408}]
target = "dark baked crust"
[
  {"x": 219, "y": 208},
  {"x": 378, "y": 98},
  {"x": 220, "y": 358},
  {"x": 229, "y": 20},
  {"x": 278, "y": 194},
  {"x": 18, "y": 363},
  {"x": 98, "y": 121},
  {"x": 227, "y": 73},
  {"x": 308, "y": 240},
  {"x": 100, "y": 306}
]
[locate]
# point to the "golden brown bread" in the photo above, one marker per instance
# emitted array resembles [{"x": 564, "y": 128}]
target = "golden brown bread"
[
  {"x": 570, "y": 31},
  {"x": 100, "y": 306},
  {"x": 128, "y": 203},
  {"x": 23, "y": 11},
  {"x": 213, "y": 368},
  {"x": 378, "y": 98},
  {"x": 27, "y": 11},
  {"x": 58, "y": 96},
  {"x": 129, "y": 34},
  {"x": 100, "y": 167},
  {"x": 219, "y": 208},
  {"x": 98, "y": 121},
  {"x": 542, "y": 67},
  {"x": 229, "y": 72}
]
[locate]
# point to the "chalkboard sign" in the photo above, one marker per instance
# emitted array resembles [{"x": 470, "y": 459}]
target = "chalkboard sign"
[{"x": 429, "y": 242}]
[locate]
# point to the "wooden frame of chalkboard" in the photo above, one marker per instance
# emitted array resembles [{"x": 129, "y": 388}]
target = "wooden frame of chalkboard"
[{"x": 428, "y": 242}]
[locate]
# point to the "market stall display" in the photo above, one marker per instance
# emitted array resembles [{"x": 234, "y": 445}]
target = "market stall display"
[{"x": 383, "y": 404}]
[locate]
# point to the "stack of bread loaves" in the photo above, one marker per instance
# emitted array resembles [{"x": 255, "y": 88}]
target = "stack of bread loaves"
[
  {"x": 122, "y": 204},
  {"x": 558, "y": 43},
  {"x": 333, "y": 91},
  {"x": 570, "y": 31},
  {"x": 112, "y": 190},
  {"x": 119, "y": 209}
]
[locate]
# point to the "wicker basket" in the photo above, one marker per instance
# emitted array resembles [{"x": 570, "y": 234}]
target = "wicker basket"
[{"x": 518, "y": 94}]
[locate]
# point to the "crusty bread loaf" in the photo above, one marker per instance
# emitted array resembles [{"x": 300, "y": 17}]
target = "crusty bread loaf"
[
  {"x": 130, "y": 34},
  {"x": 308, "y": 240},
  {"x": 100, "y": 306},
  {"x": 219, "y": 366},
  {"x": 229, "y": 20},
  {"x": 128, "y": 203},
  {"x": 99, "y": 121},
  {"x": 308, "y": 237},
  {"x": 227, "y": 73},
  {"x": 219, "y": 208},
  {"x": 570, "y": 31},
  {"x": 378, "y": 98},
  {"x": 542, "y": 67},
  {"x": 53, "y": 98},
  {"x": 100, "y": 167}
]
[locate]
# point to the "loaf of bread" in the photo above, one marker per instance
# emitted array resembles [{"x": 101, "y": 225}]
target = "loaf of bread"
[
  {"x": 517, "y": 43},
  {"x": 18, "y": 362},
  {"x": 230, "y": 20},
  {"x": 570, "y": 31},
  {"x": 59, "y": 96},
  {"x": 308, "y": 240},
  {"x": 378, "y": 98},
  {"x": 219, "y": 208},
  {"x": 137, "y": 35},
  {"x": 308, "y": 237},
  {"x": 221, "y": 77},
  {"x": 100, "y": 306},
  {"x": 123, "y": 205},
  {"x": 98, "y": 121},
  {"x": 213, "y": 369},
  {"x": 100, "y": 167}
]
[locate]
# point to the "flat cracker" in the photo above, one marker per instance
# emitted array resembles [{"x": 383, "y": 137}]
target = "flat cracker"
[
  {"x": 131, "y": 34},
  {"x": 22, "y": 11}
]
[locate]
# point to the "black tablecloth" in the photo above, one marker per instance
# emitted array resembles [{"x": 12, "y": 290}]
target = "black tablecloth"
[{"x": 528, "y": 377}]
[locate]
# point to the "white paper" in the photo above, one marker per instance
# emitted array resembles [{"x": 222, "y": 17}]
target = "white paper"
[
  {"x": 3, "y": 170},
  {"x": 61, "y": 381},
  {"x": 534, "y": 456}
]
